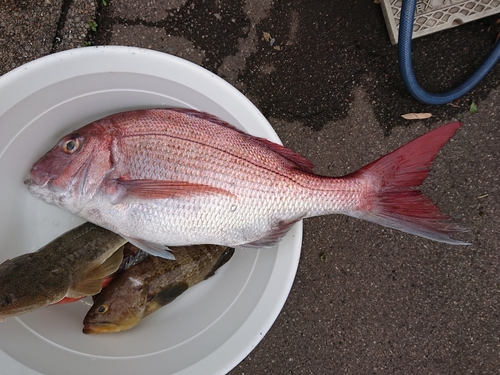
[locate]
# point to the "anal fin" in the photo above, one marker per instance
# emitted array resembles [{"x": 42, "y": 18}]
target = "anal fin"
[{"x": 274, "y": 235}]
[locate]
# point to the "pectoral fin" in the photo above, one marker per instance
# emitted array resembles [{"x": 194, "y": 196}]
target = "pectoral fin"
[
  {"x": 166, "y": 296},
  {"x": 90, "y": 280},
  {"x": 121, "y": 188}
]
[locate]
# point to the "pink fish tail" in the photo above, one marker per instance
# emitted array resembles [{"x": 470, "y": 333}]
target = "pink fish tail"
[{"x": 391, "y": 196}]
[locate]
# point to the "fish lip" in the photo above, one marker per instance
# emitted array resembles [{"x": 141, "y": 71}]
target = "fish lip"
[
  {"x": 29, "y": 182},
  {"x": 100, "y": 327},
  {"x": 39, "y": 178}
]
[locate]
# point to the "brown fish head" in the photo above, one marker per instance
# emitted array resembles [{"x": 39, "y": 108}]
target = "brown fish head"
[
  {"x": 24, "y": 287},
  {"x": 120, "y": 306},
  {"x": 71, "y": 173}
]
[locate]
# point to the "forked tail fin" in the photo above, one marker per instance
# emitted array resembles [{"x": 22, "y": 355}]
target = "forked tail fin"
[{"x": 395, "y": 200}]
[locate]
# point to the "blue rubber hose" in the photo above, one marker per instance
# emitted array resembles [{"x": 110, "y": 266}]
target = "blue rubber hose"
[{"x": 406, "y": 66}]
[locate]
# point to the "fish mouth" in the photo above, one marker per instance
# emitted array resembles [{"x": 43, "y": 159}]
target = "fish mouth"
[
  {"x": 103, "y": 327},
  {"x": 29, "y": 182},
  {"x": 38, "y": 177}
]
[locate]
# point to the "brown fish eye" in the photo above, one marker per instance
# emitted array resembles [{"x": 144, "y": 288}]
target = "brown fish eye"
[
  {"x": 102, "y": 309},
  {"x": 6, "y": 300},
  {"x": 71, "y": 146}
]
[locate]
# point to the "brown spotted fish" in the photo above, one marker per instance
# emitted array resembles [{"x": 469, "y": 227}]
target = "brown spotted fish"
[
  {"x": 73, "y": 265},
  {"x": 151, "y": 284}
]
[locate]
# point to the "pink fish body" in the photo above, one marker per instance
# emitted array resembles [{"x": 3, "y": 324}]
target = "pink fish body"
[{"x": 179, "y": 177}]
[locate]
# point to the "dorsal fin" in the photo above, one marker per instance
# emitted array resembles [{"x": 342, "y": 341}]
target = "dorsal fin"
[
  {"x": 298, "y": 160},
  {"x": 301, "y": 162}
]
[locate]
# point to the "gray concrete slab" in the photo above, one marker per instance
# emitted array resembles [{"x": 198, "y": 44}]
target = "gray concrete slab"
[
  {"x": 27, "y": 31},
  {"x": 366, "y": 299}
]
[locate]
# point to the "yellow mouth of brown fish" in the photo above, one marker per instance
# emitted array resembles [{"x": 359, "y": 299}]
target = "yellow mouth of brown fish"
[
  {"x": 110, "y": 327},
  {"x": 101, "y": 327}
]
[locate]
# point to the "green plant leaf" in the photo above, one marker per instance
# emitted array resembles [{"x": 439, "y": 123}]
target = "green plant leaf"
[
  {"x": 473, "y": 108},
  {"x": 93, "y": 25}
]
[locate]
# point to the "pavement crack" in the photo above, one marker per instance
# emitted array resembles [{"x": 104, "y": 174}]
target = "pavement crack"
[{"x": 60, "y": 24}]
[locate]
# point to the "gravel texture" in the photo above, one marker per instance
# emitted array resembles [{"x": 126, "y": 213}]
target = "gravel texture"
[{"x": 366, "y": 300}]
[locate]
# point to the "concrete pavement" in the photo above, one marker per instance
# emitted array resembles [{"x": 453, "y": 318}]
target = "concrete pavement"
[{"x": 366, "y": 300}]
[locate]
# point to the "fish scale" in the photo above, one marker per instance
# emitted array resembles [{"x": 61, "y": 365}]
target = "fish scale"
[
  {"x": 243, "y": 182},
  {"x": 180, "y": 177},
  {"x": 218, "y": 167}
]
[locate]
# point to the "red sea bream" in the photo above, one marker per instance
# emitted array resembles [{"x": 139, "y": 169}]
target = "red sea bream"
[{"x": 177, "y": 177}]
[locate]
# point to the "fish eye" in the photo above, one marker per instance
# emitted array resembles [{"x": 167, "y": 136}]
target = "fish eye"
[
  {"x": 71, "y": 145},
  {"x": 102, "y": 309},
  {"x": 6, "y": 300}
]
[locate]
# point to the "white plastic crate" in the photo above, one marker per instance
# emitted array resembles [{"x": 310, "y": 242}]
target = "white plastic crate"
[{"x": 436, "y": 15}]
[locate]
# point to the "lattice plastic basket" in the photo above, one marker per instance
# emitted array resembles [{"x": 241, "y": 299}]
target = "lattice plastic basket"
[{"x": 436, "y": 15}]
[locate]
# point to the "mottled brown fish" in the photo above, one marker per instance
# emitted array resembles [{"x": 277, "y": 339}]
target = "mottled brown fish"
[
  {"x": 151, "y": 284},
  {"x": 179, "y": 177},
  {"x": 73, "y": 265}
]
